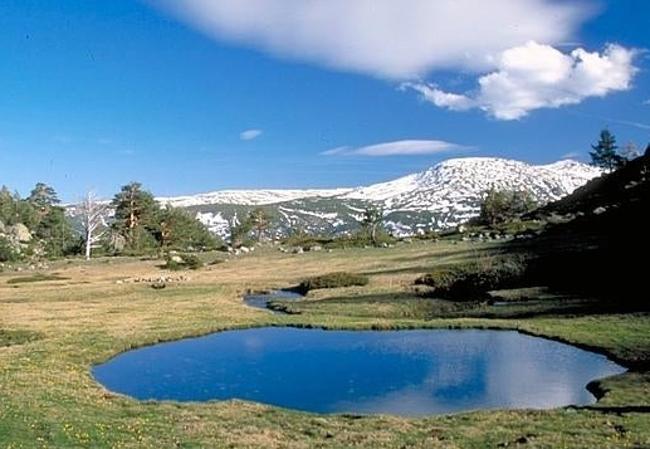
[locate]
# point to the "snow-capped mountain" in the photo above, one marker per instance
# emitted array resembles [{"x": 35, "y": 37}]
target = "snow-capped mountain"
[
  {"x": 442, "y": 196},
  {"x": 248, "y": 197}
]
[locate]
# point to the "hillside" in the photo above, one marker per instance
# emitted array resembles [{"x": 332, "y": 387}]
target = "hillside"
[{"x": 601, "y": 239}]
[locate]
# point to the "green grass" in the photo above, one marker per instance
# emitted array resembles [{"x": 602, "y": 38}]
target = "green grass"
[
  {"x": 38, "y": 277},
  {"x": 16, "y": 337},
  {"x": 332, "y": 280},
  {"x": 48, "y": 398}
]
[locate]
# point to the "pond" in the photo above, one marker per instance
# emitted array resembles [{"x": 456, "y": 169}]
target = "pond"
[
  {"x": 260, "y": 300},
  {"x": 408, "y": 373}
]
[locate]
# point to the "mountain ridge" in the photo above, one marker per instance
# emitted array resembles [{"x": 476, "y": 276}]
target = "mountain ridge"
[{"x": 442, "y": 196}]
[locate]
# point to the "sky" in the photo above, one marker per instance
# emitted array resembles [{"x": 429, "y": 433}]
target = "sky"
[{"x": 189, "y": 96}]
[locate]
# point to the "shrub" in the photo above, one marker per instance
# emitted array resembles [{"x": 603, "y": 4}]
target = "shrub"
[
  {"x": 332, "y": 280},
  {"x": 192, "y": 261},
  {"x": 475, "y": 279},
  {"x": 501, "y": 206},
  {"x": 7, "y": 251},
  {"x": 187, "y": 261}
]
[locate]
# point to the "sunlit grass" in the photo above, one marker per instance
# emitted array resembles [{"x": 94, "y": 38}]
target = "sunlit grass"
[{"x": 49, "y": 399}]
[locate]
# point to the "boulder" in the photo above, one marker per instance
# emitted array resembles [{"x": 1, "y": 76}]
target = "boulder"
[
  {"x": 599, "y": 210},
  {"x": 21, "y": 233},
  {"x": 176, "y": 259}
]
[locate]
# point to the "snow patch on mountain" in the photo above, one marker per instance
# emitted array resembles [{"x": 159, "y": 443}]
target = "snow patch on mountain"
[{"x": 248, "y": 197}]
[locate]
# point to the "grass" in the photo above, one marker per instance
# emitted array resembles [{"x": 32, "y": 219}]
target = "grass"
[
  {"x": 48, "y": 399},
  {"x": 332, "y": 280},
  {"x": 16, "y": 337},
  {"x": 37, "y": 277}
]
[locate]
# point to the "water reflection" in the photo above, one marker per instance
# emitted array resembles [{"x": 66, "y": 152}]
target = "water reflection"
[{"x": 398, "y": 372}]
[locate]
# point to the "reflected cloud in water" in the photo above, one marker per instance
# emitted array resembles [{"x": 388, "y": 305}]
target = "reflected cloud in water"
[{"x": 408, "y": 373}]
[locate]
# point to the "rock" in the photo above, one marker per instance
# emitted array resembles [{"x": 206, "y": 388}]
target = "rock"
[
  {"x": 599, "y": 210},
  {"x": 176, "y": 259},
  {"x": 461, "y": 229},
  {"x": 297, "y": 251},
  {"x": 245, "y": 249},
  {"x": 158, "y": 286},
  {"x": 20, "y": 232},
  {"x": 316, "y": 248}
]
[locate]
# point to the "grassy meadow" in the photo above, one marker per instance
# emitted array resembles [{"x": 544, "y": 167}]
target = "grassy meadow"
[{"x": 55, "y": 325}]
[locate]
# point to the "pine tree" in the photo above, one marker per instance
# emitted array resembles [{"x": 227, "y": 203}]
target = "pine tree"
[
  {"x": 259, "y": 221},
  {"x": 372, "y": 219},
  {"x": 179, "y": 230},
  {"x": 604, "y": 154},
  {"x": 43, "y": 196},
  {"x": 136, "y": 215}
]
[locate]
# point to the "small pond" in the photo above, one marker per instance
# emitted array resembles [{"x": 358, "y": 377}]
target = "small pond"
[
  {"x": 409, "y": 373},
  {"x": 261, "y": 300}
]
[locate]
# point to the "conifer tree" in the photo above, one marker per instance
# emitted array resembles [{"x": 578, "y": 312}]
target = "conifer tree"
[{"x": 604, "y": 153}]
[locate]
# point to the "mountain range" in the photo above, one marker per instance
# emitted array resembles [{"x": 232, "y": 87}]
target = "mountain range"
[{"x": 441, "y": 197}]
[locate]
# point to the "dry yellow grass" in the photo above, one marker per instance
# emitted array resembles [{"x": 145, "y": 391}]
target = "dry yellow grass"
[{"x": 49, "y": 399}]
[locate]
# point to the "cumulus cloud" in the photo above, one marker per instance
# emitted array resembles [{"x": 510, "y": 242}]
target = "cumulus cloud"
[
  {"x": 250, "y": 134},
  {"x": 386, "y": 38},
  {"x": 535, "y": 76},
  {"x": 397, "y": 148}
]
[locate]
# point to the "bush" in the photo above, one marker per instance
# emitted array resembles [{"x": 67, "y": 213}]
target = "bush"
[
  {"x": 332, "y": 280},
  {"x": 7, "y": 251},
  {"x": 475, "y": 279},
  {"x": 500, "y": 206},
  {"x": 187, "y": 262}
]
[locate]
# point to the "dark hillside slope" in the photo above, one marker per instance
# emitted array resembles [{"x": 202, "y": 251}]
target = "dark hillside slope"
[{"x": 602, "y": 247}]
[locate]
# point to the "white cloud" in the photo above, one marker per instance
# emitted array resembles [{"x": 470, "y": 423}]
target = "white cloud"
[
  {"x": 250, "y": 134},
  {"x": 535, "y": 76},
  {"x": 442, "y": 99},
  {"x": 385, "y": 38},
  {"x": 398, "y": 148},
  {"x": 571, "y": 155}
]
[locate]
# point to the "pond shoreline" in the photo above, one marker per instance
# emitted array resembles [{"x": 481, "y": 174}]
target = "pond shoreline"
[{"x": 395, "y": 372}]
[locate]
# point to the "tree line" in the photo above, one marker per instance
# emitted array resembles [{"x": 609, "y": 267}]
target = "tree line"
[{"x": 38, "y": 226}]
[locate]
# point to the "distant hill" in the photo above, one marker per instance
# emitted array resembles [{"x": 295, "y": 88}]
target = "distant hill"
[{"x": 441, "y": 197}]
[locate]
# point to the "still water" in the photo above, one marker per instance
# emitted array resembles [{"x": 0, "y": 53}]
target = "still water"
[
  {"x": 410, "y": 373},
  {"x": 261, "y": 300}
]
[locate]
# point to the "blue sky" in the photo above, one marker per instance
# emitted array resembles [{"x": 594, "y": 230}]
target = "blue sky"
[{"x": 199, "y": 95}]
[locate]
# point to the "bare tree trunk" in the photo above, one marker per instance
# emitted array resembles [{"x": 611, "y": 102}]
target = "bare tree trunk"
[
  {"x": 93, "y": 219},
  {"x": 89, "y": 244}
]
